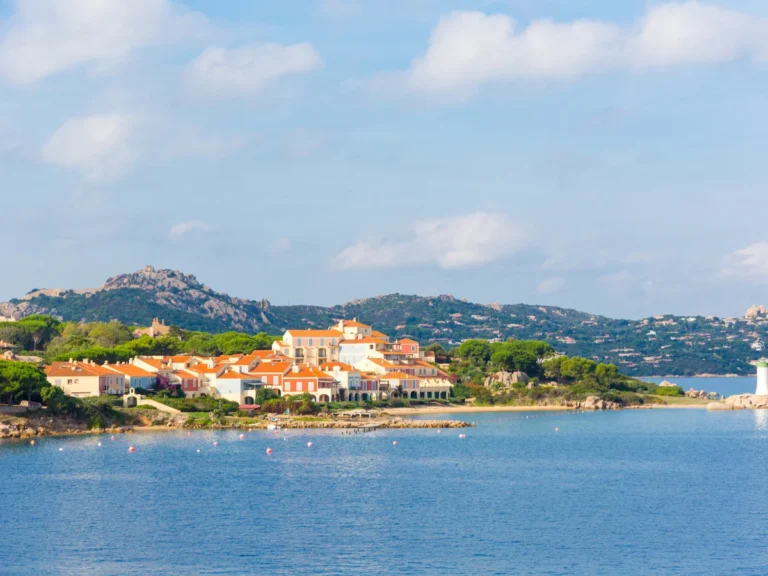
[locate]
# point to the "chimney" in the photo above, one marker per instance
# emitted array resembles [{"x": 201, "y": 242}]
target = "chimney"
[{"x": 295, "y": 369}]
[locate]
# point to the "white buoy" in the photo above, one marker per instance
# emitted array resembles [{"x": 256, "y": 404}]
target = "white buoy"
[
  {"x": 215, "y": 443},
  {"x": 189, "y": 433},
  {"x": 462, "y": 436},
  {"x": 394, "y": 443},
  {"x": 99, "y": 444},
  {"x": 61, "y": 449},
  {"x": 309, "y": 444},
  {"x": 31, "y": 442},
  {"x": 269, "y": 450},
  {"x": 111, "y": 437},
  {"x": 557, "y": 429},
  {"x": 242, "y": 436},
  {"x": 131, "y": 449},
  {"x": 198, "y": 450}
]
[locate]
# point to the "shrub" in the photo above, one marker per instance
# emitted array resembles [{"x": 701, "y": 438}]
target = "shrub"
[{"x": 669, "y": 391}]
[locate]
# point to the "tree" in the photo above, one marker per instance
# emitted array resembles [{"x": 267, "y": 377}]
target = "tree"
[
  {"x": 20, "y": 378},
  {"x": 476, "y": 351}
]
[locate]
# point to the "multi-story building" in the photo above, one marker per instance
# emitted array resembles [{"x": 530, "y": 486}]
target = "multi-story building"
[
  {"x": 312, "y": 347},
  {"x": 271, "y": 373},
  {"x": 304, "y": 378},
  {"x": 83, "y": 379},
  {"x": 347, "y": 376},
  {"x": 134, "y": 376}
]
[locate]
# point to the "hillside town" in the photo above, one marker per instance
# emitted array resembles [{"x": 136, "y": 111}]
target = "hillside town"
[{"x": 350, "y": 361}]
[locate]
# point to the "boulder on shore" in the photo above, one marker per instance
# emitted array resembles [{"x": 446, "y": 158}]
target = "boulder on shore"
[{"x": 597, "y": 403}]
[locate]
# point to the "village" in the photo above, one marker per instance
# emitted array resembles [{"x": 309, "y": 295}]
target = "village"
[{"x": 350, "y": 361}]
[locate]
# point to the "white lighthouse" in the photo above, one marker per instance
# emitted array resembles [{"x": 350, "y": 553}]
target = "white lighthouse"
[{"x": 762, "y": 379}]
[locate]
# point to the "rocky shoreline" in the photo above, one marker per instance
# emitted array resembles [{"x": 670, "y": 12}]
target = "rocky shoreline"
[
  {"x": 741, "y": 402},
  {"x": 24, "y": 428}
]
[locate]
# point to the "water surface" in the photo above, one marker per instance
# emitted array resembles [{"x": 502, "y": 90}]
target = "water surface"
[{"x": 630, "y": 493}]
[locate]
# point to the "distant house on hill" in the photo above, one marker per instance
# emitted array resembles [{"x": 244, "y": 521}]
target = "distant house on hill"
[
  {"x": 158, "y": 328},
  {"x": 6, "y": 345}
]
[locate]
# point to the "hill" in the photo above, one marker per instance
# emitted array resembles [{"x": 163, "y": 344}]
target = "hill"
[{"x": 658, "y": 345}]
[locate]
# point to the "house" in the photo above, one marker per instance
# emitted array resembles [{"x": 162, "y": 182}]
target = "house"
[
  {"x": 352, "y": 329},
  {"x": 84, "y": 379},
  {"x": 271, "y": 373},
  {"x": 134, "y": 376},
  {"x": 6, "y": 345},
  {"x": 369, "y": 388},
  {"x": 347, "y": 376},
  {"x": 191, "y": 383},
  {"x": 408, "y": 347},
  {"x": 312, "y": 347},
  {"x": 238, "y": 387},
  {"x": 356, "y": 350},
  {"x": 158, "y": 328},
  {"x": 308, "y": 379},
  {"x": 400, "y": 383}
]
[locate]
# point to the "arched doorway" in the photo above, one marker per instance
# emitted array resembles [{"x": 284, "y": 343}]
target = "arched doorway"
[
  {"x": 324, "y": 398},
  {"x": 414, "y": 395},
  {"x": 443, "y": 395},
  {"x": 249, "y": 401},
  {"x": 365, "y": 397},
  {"x": 373, "y": 397}
]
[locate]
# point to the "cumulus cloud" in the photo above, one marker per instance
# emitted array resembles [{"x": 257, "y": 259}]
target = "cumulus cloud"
[
  {"x": 247, "y": 70},
  {"x": 468, "y": 49},
  {"x": 182, "y": 229},
  {"x": 45, "y": 37},
  {"x": 551, "y": 285},
  {"x": 450, "y": 243},
  {"x": 750, "y": 263},
  {"x": 101, "y": 147}
]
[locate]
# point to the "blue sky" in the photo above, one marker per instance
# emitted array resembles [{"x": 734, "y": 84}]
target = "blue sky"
[{"x": 600, "y": 155}]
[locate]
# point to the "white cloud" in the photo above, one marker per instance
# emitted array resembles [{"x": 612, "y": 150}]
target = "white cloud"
[
  {"x": 450, "y": 243},
  {"x": 247, "y": 70},
  {"x": 551, "y": 285},
  {"x": 468, "y": 49},
  {"x": 180, "y": 230},
  {"x": 750, "y": 263},
  {"x": 45, "y": 37},
  {"x": 101, "y": 147},
  {"x": 279, "y": 245}
]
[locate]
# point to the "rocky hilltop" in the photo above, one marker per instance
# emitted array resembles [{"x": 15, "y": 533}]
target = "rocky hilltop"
[
  {"x": 660, "y": 345},
  {"x": 138, "y": 297}
]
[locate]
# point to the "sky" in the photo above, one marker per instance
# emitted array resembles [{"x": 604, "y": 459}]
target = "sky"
[{"x": 599, "y": 155}]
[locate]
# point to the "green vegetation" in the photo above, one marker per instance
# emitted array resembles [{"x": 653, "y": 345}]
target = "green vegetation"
[
  {"x": 98, "y": 412},
  {"x": 114, "y": 342},
  {"x": 21, "y": 381},
  {"x": 197, "y": 404},
  {"x": 555, "y": 379}
]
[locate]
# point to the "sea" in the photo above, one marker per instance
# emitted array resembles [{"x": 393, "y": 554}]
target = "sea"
[
  {"x": 722, "y": 385},
  {"x": 630, "y": 493}
]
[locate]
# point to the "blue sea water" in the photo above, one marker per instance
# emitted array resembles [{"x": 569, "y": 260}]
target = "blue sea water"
[
  {"x": 724, "y": 386},
  {"x": 625, "y": 493}
]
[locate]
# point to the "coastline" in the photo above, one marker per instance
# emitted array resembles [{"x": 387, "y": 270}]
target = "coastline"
[{"x": 473, "y": 409}]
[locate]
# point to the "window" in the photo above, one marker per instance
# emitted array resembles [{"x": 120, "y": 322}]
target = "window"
[
  {"x": 298, "y": 341},
  {"x": 310, "y": 343},
  {"x": 322, "y": 355},
  {"x": 299, "y": 386},
  {"x": 299, "y": 354},
  {"x": 322, "y": 341},
  {"x": 69, "y": 381}
]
